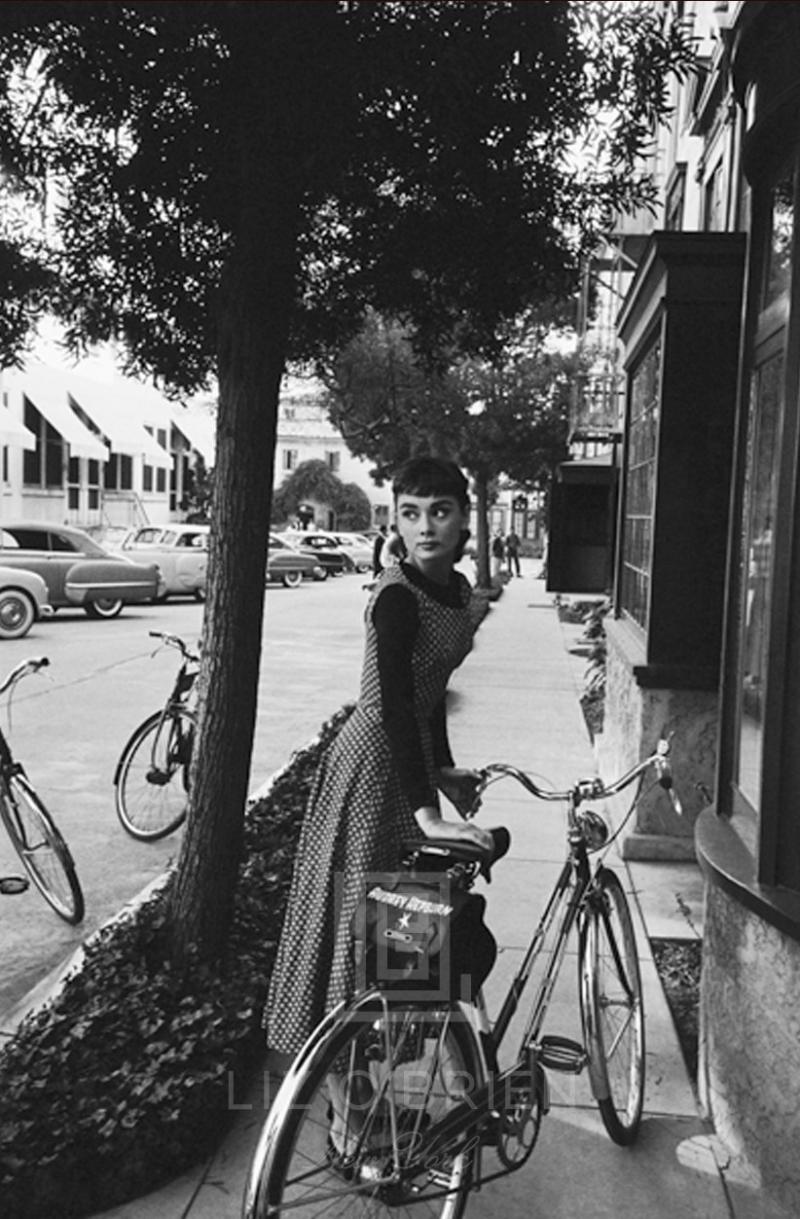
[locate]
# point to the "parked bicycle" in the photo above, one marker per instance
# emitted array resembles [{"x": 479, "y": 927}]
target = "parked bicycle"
[
  {"x": 151, "y": 779},
  {"x": 423, "y": 1099},
  {"x": 33, "y": 833}
]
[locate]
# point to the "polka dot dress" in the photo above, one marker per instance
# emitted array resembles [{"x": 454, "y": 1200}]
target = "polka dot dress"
[{"x": 356, "y": 821}]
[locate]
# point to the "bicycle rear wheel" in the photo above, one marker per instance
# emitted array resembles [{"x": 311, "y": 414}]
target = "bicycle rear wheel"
[
  {"x": 404, "y": 1070},
  {"x": 40, "y": 846},
  {"x": 613, "y": 1009},
  {"x": 152, "y": 776}
]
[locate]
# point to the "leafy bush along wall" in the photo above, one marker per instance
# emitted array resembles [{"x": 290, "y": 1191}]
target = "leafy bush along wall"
[{"x": 124, "y": 1080}]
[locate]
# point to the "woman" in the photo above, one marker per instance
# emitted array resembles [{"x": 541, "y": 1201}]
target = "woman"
[{"x": 379, "y": 782}]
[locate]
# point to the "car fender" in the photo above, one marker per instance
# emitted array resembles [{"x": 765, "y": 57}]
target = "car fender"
[{"x": 91, "y": 579}]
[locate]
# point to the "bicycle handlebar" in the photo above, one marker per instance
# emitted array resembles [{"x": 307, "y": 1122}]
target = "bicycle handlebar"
[
  {"x": 586, "y": 789},
  {"x": 175, "y": 641},
  {"x": 32, "y": 665}
]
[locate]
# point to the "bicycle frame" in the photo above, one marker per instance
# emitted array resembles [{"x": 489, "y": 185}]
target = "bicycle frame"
[
  {"x": 184, "y": 680},
  {"x": 498, "y": 1108}
]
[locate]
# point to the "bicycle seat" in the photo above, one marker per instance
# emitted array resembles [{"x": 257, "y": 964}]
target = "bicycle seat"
[{"x": 439, "y": 854}]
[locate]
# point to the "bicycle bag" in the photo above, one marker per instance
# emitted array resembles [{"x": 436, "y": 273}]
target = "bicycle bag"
[{"x": 421, "y": 933}]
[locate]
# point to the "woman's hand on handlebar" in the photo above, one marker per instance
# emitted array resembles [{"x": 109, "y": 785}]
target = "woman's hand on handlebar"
[
  {"x": 434, "y": 825},
  {"x": 460, "y": 786}
]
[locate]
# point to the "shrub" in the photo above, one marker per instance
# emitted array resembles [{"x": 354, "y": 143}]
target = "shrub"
[{"x": 122, "y": 1081}]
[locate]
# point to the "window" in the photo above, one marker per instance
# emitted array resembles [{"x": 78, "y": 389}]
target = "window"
[
  {"x": 714, "y": 203},
  {"x": 637, "y": 537},
  {"x": 119, "y": 472},
  {"x": 44, "y": 465},
  {"x": 59, "y": 542},
  {"x": 760, "y": 495},
  {"x": 74, "y": 484},
  {"x": 161, "y": 480},
  {"x": 676, "y": 193},
  {"x": 778, "y": 261},
  {"x": 147, "y": 478},
  {"x": 93, "y": 482},
  {"x": 333, "y": 461}
]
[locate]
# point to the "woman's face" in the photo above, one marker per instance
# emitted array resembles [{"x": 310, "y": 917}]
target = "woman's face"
[{"x": 431, "y": 527}]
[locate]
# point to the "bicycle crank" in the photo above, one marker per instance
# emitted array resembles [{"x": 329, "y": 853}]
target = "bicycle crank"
[{"x": 525, "y": 1103}]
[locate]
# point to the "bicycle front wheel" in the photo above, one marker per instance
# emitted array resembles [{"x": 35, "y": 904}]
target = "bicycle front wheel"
[
  {"x": 347, "y": 1135},
  {"x": 152, "y": 776},
  {"x": 40, "y": 846},
  {"x": 613, "y": 1010}
]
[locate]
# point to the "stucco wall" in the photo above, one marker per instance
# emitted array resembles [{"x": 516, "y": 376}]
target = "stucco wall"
[
  {"x": 635, "y": 719},
  {"x": 750, "y": 1043}
]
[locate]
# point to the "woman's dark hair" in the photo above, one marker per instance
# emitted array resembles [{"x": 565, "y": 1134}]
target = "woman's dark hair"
[{"x": 431, "y": 476}]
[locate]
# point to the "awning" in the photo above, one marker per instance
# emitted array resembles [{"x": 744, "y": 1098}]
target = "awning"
[
  {"x": 45, "y": 388},
  {"x": 198, "y": 429},
  {"x": 115, "y": 419},
  {"x": 14, "y": 432}
]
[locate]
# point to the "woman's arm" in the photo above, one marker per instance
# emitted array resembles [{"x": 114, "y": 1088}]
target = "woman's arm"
[{"x": 396, "y": 620}]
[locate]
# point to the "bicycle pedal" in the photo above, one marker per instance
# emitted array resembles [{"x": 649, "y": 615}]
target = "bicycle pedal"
[{"x": 561, "y": 1054}]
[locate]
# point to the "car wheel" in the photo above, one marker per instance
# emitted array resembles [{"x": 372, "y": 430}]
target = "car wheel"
[
  {"x": 104, "y": 607},
  {"x": 17, "y": 614},
  {"x": 292, "y": 579},
  {"x": 323, "y": 574}
]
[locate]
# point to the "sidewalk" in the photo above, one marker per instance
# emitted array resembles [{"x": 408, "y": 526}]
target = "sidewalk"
[{"x": 516, "y": 700}]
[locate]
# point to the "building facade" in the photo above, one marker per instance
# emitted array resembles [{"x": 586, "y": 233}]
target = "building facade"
[
  {"x": 93, "y": 452},
  {"x": 704, "y": 639}
]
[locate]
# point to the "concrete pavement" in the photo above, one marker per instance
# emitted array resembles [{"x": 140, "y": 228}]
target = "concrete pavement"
[{"x": 516, "y": 700}]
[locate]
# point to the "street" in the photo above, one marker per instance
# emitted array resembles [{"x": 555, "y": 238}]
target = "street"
[{"x": 69, "y": 724}]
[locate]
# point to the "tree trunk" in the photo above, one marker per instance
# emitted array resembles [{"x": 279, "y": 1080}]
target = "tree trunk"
[
  {"x": 481, "y": 483},
  {"x": 255, "y": 309}
]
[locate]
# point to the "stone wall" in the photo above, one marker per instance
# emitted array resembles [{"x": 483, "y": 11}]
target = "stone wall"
[
  {"x": 750, "y": 1044},
  {"x": 635, "y": 718}
]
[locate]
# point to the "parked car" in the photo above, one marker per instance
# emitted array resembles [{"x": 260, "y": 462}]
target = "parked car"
[
  {"x": 23, "y": 601},
  {"x": 357, "y": 547},
  {"x": 76, "y": 570},
  {"x": 324, "y": 548},
  {"x": 181, "y": 552},
  {"x": 288, "y": 566}
]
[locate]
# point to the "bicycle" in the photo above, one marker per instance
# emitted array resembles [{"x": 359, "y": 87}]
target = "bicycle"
[
  {"x": 425, "y": 1100},
  {"x": 33, "y": 833},
  {"x": 151, "y": 779}
]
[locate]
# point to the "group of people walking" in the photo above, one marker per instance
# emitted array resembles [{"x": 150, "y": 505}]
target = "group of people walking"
[{"x": 505, "y": 549}]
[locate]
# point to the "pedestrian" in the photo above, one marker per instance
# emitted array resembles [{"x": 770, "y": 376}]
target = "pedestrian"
[
  {"x": 379, "y": 782},
  {"x": 393, "y": 549},
  {"x": 512, "y": 554},
  {"x": 377, "y": 551},
  {"x": 377, "y": 547},
  {"x": 498, "y": 554}
]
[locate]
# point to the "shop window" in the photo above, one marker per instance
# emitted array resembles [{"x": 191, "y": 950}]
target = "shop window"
[
  {"x": 760, "y": 493},
  {"x": 778, "y": 261},
  {"x": 640, "y": 484}
]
